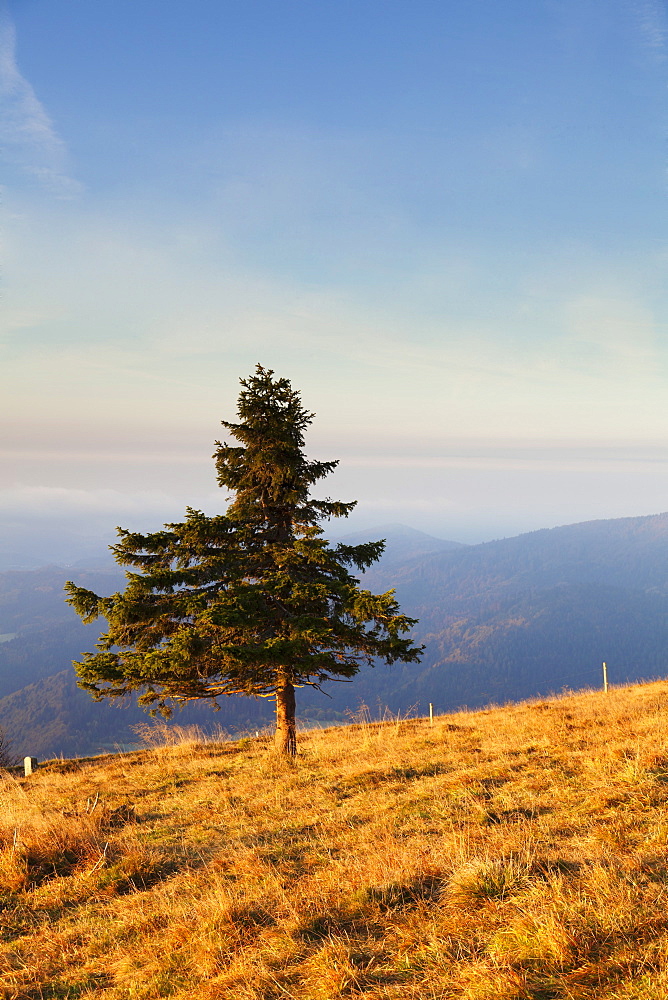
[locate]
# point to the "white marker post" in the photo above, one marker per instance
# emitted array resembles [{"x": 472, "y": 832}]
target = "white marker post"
[
  {"x": 431, "y": 714},
  {"x": 605, "y": 677}
]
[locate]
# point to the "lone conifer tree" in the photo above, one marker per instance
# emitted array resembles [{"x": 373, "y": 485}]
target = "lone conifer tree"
[{"x": 251, "y": 602}]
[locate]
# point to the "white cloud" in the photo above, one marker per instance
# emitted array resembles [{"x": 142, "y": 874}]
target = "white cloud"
[
  {"x": 55, "y": 502},
  {"x": 27, "y": 134},
  {"x": 147, "y": 332},
  {"x": 651, "y": 18}
]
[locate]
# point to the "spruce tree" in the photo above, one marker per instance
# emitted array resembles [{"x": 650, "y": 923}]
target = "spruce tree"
[{"x": 254, "y": 601}]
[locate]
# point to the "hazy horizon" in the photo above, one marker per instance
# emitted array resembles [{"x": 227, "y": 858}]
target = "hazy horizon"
[{"x": 33, "y": 546}]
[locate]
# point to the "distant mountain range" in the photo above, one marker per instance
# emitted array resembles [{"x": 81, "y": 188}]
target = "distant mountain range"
[
  {"x": 533, "y": 614},
  {"x": 501, "y": 621}
]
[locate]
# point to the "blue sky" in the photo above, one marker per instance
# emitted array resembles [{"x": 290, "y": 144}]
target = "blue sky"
[{"x": 445, "y": 222}]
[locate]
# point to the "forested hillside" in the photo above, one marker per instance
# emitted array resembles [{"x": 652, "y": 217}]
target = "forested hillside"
[
  {"x": 533, "y": 614},
  {"x": 501, "y": 621}
]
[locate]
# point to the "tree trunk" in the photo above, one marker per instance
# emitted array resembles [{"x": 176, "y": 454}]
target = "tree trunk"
[{"x": 285, "y": 740}]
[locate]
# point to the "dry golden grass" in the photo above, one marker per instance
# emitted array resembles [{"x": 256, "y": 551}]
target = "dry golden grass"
[{"x": 518, "y": 853}]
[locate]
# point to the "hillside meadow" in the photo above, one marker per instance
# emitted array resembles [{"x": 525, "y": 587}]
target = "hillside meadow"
[{"x": 515, "y": 853}]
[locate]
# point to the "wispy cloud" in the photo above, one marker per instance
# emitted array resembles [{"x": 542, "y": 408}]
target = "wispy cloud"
[
  {"x": 60, "y": 502},
  {"x": 28, "y": 138},
  {"x": 651, "y": 17}
]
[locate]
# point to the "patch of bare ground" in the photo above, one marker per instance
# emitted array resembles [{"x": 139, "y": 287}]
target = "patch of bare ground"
[{"x": 518, "y": 853}]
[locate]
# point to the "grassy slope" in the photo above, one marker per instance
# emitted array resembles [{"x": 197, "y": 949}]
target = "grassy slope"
[{"x": 519, "y": 852}]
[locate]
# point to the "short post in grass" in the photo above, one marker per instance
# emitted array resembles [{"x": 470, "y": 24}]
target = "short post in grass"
[
  {"x": 431, "y": 714},
  {"x": 605, "y": 677},
  {"x": 29, "y": 765}
]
